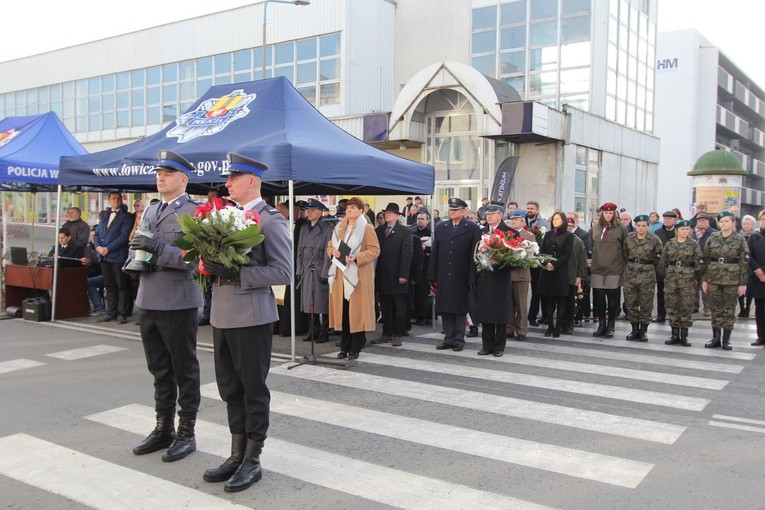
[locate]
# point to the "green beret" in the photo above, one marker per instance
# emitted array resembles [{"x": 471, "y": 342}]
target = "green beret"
[
  {"x": 726, "y": 213},
  {"x": 642, "y": 217},
  {"x": 683, "y": 223}
]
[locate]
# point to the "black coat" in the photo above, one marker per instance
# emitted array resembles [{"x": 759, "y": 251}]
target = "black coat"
[
  {"x": 450, "y": 261},
  {"x": 754, "y": 287},
  {"x": 561, "y": 246},
  {"x": 493, "y": 291},
  {"x": 395, "y": 260}
]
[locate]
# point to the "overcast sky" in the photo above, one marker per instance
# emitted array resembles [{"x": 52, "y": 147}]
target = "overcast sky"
[{"x": 735, "y": 26}]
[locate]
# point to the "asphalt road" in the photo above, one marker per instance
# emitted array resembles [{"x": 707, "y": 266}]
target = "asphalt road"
[{"x": 570, "y": 423}]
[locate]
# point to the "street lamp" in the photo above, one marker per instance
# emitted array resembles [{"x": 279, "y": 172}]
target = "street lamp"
[{"x": 265, "y": 6}]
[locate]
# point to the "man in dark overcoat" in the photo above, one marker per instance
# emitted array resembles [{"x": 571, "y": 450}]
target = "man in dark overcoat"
[
  {"x": 424, "y": 237},
  {"x": 310, "y": 268},
  {"x": 392, "y": 274},
  {"x": 493, "y": 290},
  {"x": 450, "y": 261}
]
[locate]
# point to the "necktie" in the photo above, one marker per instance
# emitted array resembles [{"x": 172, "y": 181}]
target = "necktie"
[
  {"x": 161, "y": 209},
  {"x": 388, "y": 230}
]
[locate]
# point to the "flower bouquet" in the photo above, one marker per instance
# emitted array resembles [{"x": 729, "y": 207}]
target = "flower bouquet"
[
  {"x": 503, "y": 249},
  {"x": 218, "y": 232},
  {"x": 539, "y": 233}
]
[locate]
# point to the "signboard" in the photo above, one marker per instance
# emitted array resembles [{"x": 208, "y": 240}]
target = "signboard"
[{"x": 714, "y": 198}]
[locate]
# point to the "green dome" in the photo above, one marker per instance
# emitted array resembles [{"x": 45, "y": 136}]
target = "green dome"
[{"x": 717, "y": 162}]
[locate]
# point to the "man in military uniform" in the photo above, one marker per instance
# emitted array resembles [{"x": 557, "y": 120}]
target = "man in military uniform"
[
  {"x": 243, "y": 308},
  {"x": 642, "y": 250},
  {"x": 450, "y": 261},
  {"x": 311, "y": 270},
  {"x": 169, "y": 299},
  {"x": 726, "y": 255},
  {"x": 680, "y": 264},
  {"x": 518, "y": 321},
  {"x": 665, "y": 233}
]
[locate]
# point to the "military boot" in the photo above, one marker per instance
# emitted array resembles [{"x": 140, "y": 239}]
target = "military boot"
[
  {"x": 161, "y": 437},
  {"x": 184, "y": 443},
  {"x": 610, "y": 328},
  {"x": 674, "y": 337},
  {"x": 635, "y": 334},
  {"x": 715, "y": 342},
  {"x": 601, "y": 331},
  {"x": 684, "y": 337},
  {"x": 248, "y": 471},
  {"x": 231, "y": 464},
  {"x": 726, "y": 339},
  {"x": 643, "y": 332}
]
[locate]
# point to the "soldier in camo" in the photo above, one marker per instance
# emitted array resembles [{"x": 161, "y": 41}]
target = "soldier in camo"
[
  {"x": 681, "y": 263},
  {"x": 643, "y": 251},
  {"x": 726, "y": 257}
]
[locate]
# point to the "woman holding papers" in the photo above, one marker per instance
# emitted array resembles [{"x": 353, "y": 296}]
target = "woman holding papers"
[{"x": 353, "y": 248}]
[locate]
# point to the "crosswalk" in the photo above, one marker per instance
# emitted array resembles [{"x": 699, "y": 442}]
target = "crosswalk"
[{"x": 591, "y": 415}]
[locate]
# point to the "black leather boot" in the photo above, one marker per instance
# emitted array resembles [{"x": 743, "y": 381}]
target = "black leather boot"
[
  {"x": 161, "y": 437},
  {"x": 610, "y": 328},
  {"x": 184, "y": 443},
  {"x": 635, "y": 334},
  {"x": 249, "y": 470},
  {"x": 758, "y": 343},
  {"x": 684, "y": 337},
  {"x": 726, "y": 339},
  {"x": 643, "y": 333},
  {"x": 231, "y": 464},
  {"x": 601, "y": 331},
  {"x": 715, "y": 342},
  {"x": 674, "y": 337}
]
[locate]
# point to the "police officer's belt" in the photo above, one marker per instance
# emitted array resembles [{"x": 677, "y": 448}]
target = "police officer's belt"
[
  {"x": 726, "y": 260},
  {"x": 226, "y": 281},
  {"x": 168, "y": 269},
  {"x": 681, "y": 264},
  {"x": 640, "y": 261}
]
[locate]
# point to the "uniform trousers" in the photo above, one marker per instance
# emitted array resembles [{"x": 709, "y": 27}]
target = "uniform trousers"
[
  {"x": 493, "y": 336},
  {"x": 518, "y": 321},
  {"x": 393, "y": 308},
  {"x": 638, "y": 300},
  {"x": 117, "y": 289},
  {"x": 759, "y": 316},
  {"x": 454, "y": 328},
  {"x": 679, "y": 292},
  {"x": 169, "y": 340},
  {"x": 242, "y": 359},
  {"x": 350, "y": 342},
  {"x": 722, "y": 301}
]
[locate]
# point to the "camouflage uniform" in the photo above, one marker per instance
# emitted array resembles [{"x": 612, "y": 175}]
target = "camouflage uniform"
[
  {"x": 681, "y": 263},
  {"x": 640, "y": 276},
  {"x": 727, "y": 261}
]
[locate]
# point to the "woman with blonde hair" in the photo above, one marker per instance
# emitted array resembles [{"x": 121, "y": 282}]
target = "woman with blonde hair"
[{"x": 748, "y": 227}]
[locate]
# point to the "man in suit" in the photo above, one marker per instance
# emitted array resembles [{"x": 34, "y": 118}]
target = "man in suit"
[
  {"x": 68, "y": 248},
  {"x": 583, "y": 309},
  {"x": 424, "y": 237},
  {"x": 392, "y": 275},
  {"x": 310, "y": 268},
  {"x": 518, "y": 321},
  {"x": 450, "y": 260},
  {"x": 111, "y": 242},
  {"x": 533, "y": 219},
  {"x": 243, "y": 308},
  {"x": 168, "y": 299}
]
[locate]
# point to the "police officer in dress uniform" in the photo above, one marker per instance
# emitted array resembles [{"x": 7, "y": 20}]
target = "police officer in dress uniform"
[
  {"x": 243, "y": 308},
  {"x": 450, "y": 261},
  {"x": 493, "y": 291},
  {"x": 726, "y": 257},
  {"x": 169, "y": 299},
  {"x": 311, "y": 268},
  {"x": 680, "y": 264},
  {"x": 642, "y": 250}
]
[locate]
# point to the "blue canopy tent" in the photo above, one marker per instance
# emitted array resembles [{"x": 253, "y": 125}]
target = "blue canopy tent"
[{"x": 267, "y": 120}]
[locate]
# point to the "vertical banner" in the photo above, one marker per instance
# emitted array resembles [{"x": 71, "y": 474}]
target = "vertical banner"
[{"x": 503, "y": 179}]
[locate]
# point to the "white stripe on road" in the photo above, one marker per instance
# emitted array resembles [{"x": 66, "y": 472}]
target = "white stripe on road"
[
  {"x": 94, "y": 482},
  {"x": 588, "y": 368},
  {"x": 623, "y": 426},
  {"x": 18, "y": 364},
  {"x": 537, "y": 381},
  {"x": 86, "y": 352},
  {"x": 736, "y": 426},
  {"x": 557, "y": 459},
  {"x": 383, "y": 485},
  {"x": 742, "y": 420}
]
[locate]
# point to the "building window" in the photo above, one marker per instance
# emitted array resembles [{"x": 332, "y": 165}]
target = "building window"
[{"x": 586, "y": 182}]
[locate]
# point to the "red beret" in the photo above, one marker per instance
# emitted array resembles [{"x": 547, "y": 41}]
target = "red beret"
[{"x": 608, "y": 206}]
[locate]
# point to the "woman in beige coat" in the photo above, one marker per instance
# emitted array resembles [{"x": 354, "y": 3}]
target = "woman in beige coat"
[{"x": 352, "y": 291}]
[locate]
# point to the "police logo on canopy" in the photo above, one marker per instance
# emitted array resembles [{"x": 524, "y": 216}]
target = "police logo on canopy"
[
  {"x": 7, "y": 136},
  {"x": 211, "y": 116}
]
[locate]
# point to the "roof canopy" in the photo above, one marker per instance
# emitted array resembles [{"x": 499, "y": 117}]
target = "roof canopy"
[
  {"x": 30, "y": 149},
  {"x": 267, "y": 120}
]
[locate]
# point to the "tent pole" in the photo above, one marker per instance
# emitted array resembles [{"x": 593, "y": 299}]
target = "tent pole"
[
  {"x": 55, "y": 256},
  {"x": 291, "y": 231},
  {"x": 4, "y": 245}
]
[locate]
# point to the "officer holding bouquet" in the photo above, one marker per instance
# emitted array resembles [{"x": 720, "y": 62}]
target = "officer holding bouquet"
[
  {"x": 243, "y": 308},
  {"x": 169, "y": 299}
]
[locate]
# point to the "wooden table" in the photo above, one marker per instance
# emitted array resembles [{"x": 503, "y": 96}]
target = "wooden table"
[{"x": 71, "y": 291}]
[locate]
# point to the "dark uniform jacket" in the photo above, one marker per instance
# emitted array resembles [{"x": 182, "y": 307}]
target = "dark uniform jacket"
[
  {"x": 170, "y": 284},
  {"x": 450, "y": 261},
  {"x": 79, "y": 229},
  {"x": 395, "y": 260},
  {"x": 493, "y": 292},
  {"x": 586, "y": 239},
  {"x": 312, "y": 251}
]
